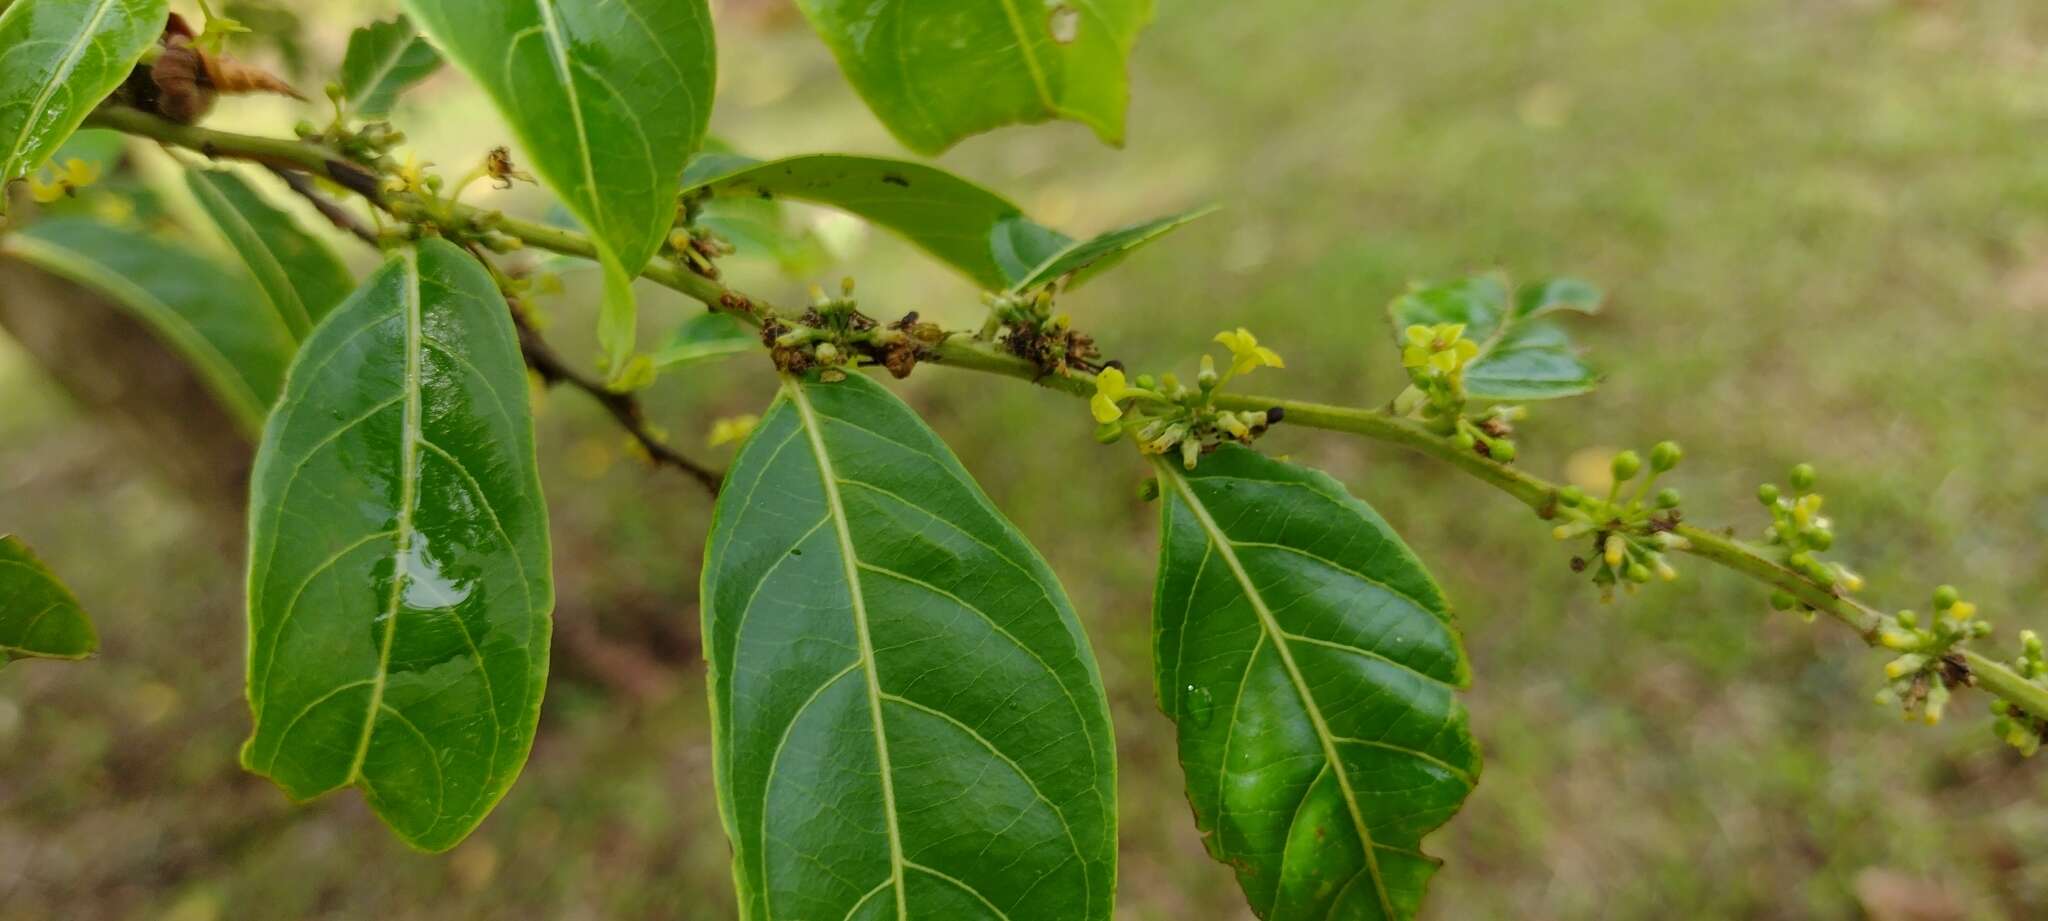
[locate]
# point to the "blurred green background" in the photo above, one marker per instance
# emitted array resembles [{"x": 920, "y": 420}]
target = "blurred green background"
[{"x": 1824, "y": 225}]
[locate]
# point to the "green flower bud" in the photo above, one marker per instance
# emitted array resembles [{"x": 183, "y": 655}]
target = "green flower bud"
[
  {"x": 1625, "y": 466},
  {"x": 1465, "y": 440},
  {"x": 827, "y": 353},
  {"x": 1146, "y": 382},
  {"x": 1571, "y": 496},
  {"x": 1945, "y": 597},
  {"x": 1908, "y": 619},
  {"x": 1818, "y": 538},
  {"x": 1638, "y": 573},
  {"x": 1665, "y": 456},
  {"x": 1783, "y": 601},
  {"x": 1767, "y": 494},
  {"x": 1206, "y": 379},
  {"x": 1667, "y": 498},
  {"x": 2030, "y": 643},
  {"x": 1803, "y": 477},
  {"x": 1502, "y": 450}
]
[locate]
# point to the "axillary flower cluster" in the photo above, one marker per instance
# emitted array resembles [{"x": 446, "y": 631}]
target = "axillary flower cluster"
[
  {"x": 2018, "y": 728},
  {"x": 1167, "y": 417},
  {"x": 1435, "y": 357},
  {"x": 1632, "y": 534}
]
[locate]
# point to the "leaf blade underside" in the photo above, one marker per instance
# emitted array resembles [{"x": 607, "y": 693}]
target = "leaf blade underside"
[{"x": 39, "y": 617}]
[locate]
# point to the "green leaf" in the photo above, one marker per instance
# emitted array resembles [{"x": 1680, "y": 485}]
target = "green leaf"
[
  {"x": 384, "y": 59},
  {"x": 399, "y": 590},
  {"x": 973, "y": 230},
  {"x": 300, "y": 276},
  {"x": 706, "y": 335},
  {"x": 39, "y": 617},
  {"x": 937, "y": 72},
  {"x": 908, "y": 719},
  {"x": 609, "y": 100},
  {"x": 58, "y": 59},
  {"x": 1310, "y": 664},
  {"x": 1083, "y": 260},
  {"x": 1521, "y": 356},
  {"x": 217, "y": 319}
]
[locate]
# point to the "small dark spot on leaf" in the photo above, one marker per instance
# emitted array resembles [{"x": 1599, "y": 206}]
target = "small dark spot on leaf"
[{"x": 896, "y": 179}]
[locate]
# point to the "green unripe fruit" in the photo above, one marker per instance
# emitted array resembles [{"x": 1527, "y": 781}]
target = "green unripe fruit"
[
  {"x": 1783, "y": 601},
  {"x": 1945, "y": 597},
  {"x": 1665, "y": 456},
  {"x": 1465, "y": 440},
  {"x": 1818, "y": 539},
  {"x": 1503, "y": 451},
  {"x": 1767, "y": 494},
  {"x": 1626, "y": 464},
  {"x": 1667, "y": 498},
  {"x": 1803, "y": 477}
]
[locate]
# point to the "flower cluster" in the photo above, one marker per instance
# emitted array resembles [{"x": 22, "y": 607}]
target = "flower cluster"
[
  {"x": 1800, "y": 532},
  {"x": 834, "y": 335},
  {"x": 1031, "y": 330},
  {"x": 2018, "y": 728},
  {"x": 1631, "y": 534},
  {"x": 1919, "y": 679},
  {"x": 1436, "y": 357},
  {"x": 1166, "y": 416}
]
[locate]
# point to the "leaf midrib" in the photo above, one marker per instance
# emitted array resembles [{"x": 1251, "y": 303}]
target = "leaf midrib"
[
  {"x": 1271, "y": 630},
  {"x": 74, "y": 52},
  {"x": 390, "y": 63},
  {"x": 814, "y": 433},
  {"x": 408, "y": 474}
]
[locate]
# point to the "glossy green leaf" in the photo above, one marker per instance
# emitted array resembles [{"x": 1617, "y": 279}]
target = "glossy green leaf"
[
  {"x": 298, "y": 274},
  {"x": 58, "y": 59},
  {"x": 218, "y": 319},
  {"x": 399, "y": 590},
  {"x": 936, "y": 71},
  {"x": 707, "y": 335},
  {"x": 384, "y": 59},
  {"x": 1311, "y": 667},
  {"x": 39, "y": 617},
  {"x": 1085, "y": 259},
  {"x": 1521, "y": 356},
  {"x": 908, "y": 719},
  {"x": 609, "y": 100},
  {"x": 974, "y": 230}
]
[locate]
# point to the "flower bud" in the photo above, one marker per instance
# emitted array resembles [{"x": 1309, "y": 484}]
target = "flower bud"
[
  {"x": 827, "y": 353},
  {"x": 1665, "y": 572},
  {"x": 1767, "y": 494},
  {"x": 1908, "y": 664},
  {"x": 1667, "y": 498},
  {"x": 1818, "y": 538},
  {"x": 1625, "y": 466},
  {"x": 2030, "y": 643},
  {"x": 1783, "y": 601},
  {"x": 1962, "y": 610},
  {"x": 1908, "y": 619},
  {"x": 1502, "y": 450},
  {"x": 1803, "y": 477},
  {"x": 1945, "y": 597},
  {"x": 1665, "y": 456},
  {"x": 1146, "y": 382},
  {"x": 1206, "y": 378},
  {"x": 1638, "y": 573},
  {"x": 1613, "y": 548}
]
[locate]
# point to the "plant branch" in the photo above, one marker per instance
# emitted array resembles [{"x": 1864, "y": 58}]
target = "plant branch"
[
  {"x": 964, "y": 351},
  {"x": 540, "y": 356}
]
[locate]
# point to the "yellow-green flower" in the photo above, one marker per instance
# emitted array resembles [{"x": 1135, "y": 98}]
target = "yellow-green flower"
[
  {"x": 733, "y": 428},
  {"x": 73, "y": 175},
  {"x": 411, "y": 177},
  {"x": 1110, "y": 387},
  {"x": 1442, "y": 348},
  {"x": 1246, "y": 352}
]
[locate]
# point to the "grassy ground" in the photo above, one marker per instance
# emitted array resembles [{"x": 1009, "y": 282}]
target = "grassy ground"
[{"x": 1825, "y": 226}]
